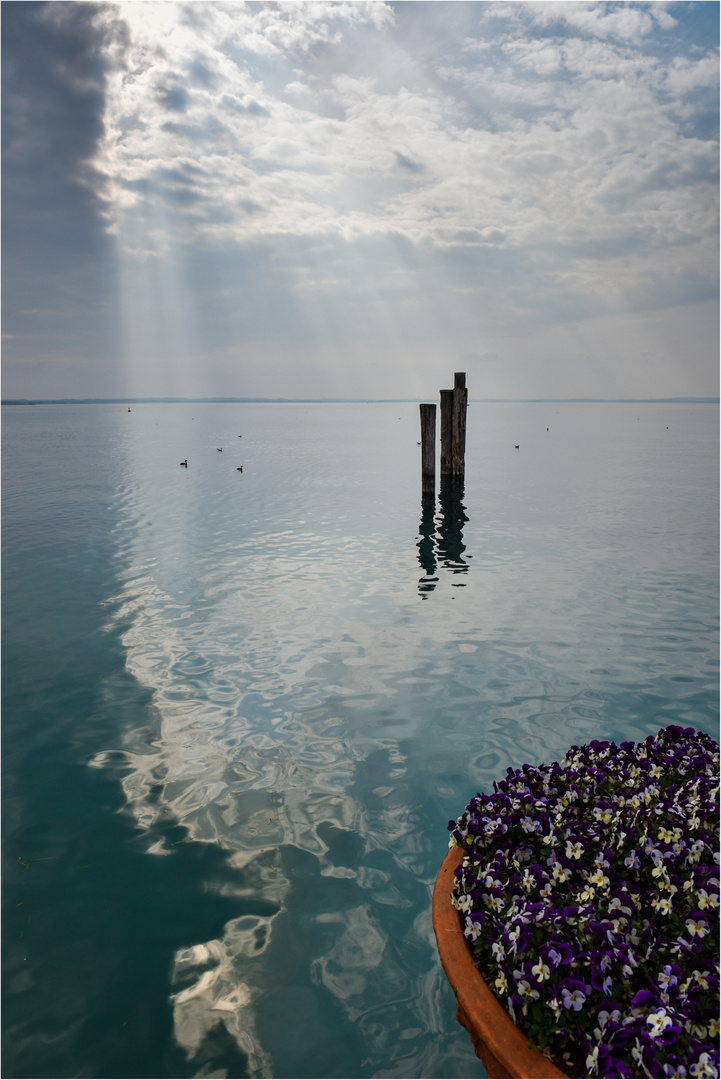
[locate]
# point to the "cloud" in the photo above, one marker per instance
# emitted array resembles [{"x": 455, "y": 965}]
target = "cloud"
[
  {"x": 58, "y": 259},
  {"x": 357, "y": 172},
  {"x": 622, "y": 22},
  {"x": 687, "y": 75},
  {"x": 302, "y": 161}
]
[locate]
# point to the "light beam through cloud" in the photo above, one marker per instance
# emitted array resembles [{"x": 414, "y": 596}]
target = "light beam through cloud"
[{"x": 300, "y": 191}]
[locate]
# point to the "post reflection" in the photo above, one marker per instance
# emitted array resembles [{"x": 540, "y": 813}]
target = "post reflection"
[
  {"x": 426, "y": 545},
  {"x": 440, "y": 540}
]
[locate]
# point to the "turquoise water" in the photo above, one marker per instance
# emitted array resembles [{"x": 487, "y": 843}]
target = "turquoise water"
[{"x": 240, "y": 708}]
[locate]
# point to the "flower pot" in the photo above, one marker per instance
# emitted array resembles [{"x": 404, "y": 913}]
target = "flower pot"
[{"x": 502, "y": 1048}]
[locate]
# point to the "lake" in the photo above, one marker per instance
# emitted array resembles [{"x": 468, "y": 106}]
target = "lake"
[{"x": 240, "y": 708}]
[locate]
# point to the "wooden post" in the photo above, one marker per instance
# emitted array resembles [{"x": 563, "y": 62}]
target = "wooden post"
[
  {"x": 460, "y": 406},
  {"x": 428, "y": 449},
  {"x": 446, "y": 433}
]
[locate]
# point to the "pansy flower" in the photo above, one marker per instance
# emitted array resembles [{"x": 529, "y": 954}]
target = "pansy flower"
[
  {"x": 705, "y": 1066},
  {"x": 557, "y": 953},
  {"x": 632, "y": 860},
  {"x": 573, "y": 994},
  {"x": 706, "y": 900},
  {"x": 668, "y": 977},
  {"x": 697, "y": 924},
  {"x": 499, "y": 952},
  {"x": 474, "y": 925}
]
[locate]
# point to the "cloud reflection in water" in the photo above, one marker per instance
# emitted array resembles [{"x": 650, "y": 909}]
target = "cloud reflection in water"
[{"x": 232, "y": 762}]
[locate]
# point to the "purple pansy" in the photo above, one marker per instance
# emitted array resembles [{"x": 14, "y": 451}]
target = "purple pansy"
[{"x": 596, "y": 876}]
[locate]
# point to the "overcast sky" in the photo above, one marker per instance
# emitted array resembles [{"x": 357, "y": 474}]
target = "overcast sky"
[{"x": 350, "y": 199}]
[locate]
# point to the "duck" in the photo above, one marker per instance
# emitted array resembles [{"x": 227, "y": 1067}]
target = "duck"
[
  {"x": 219, "y": 449},
  {"x": 239, "y": 469},
  {"x": 185, "y": 463},
  {"x": 516, "y": 446}
]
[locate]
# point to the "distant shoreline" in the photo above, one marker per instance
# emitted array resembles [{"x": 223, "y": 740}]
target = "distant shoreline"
[{"x": 354, "y": 401}]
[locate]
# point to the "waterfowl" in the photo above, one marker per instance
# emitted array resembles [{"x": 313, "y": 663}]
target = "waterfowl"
[
  {"x": 239, "y": 469},
  {"x": 219, "y": 449},
  {"x": 185, "y": 463},
  {"x": 516, "y": 446}
]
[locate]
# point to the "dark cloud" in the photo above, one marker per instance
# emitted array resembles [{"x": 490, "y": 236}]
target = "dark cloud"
[
  {"x": 53, "y": 76},
  {"x": 408, "y": 163},
  {"x": 174, "y": 97},
  {"x": 201, "y": 73},
  {"x": 208, "y": 131},
  {"x": 57, "y": 256},
  {"x": 234, "y": 105}
]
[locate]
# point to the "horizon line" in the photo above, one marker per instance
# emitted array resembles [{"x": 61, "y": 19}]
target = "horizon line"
[{"x": 690, "y": 400}]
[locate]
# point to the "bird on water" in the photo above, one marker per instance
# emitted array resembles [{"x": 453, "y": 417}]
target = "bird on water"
[
  {"x": 185, "y": 463},
  {"x": 219, "y": 449},
  {"x": 239, "y": 469}
]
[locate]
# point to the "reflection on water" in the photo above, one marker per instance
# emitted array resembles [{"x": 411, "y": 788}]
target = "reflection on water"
[
  {"x": 427, "y": 545},
  {"x": 215, "y": 1003},
  {"x": 450, "y": 527},
  {"x": 253, "y": 748},
  {"x": 347, "y": 965},
  {"x": 441, "y": 540}
]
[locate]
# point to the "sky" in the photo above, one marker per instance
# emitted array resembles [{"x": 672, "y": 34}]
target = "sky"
[{"x": 351, "y": 199}]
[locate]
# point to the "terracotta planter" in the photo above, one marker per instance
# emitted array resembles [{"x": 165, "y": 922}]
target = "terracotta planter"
[{"x": 499, "y": 1044}]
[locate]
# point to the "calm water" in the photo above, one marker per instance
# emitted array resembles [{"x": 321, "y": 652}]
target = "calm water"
[{"x": 240, "y": 708}]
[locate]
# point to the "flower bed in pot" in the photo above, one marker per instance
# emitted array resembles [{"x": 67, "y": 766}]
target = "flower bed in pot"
[
  {"x": 588, "y": 893},
  {"x": 501, "y": 1046}
]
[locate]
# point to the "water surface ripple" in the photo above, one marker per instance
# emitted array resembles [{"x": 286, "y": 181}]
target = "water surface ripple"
[{"x": 268, "y": 691}]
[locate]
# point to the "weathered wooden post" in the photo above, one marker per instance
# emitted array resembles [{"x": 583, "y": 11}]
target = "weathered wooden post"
[
  {"x": 428, "y": 450},
  {"x": 454, "y": 404},
  {"x": 446, "y": 433},
  {"x": 460, "y": 406}
]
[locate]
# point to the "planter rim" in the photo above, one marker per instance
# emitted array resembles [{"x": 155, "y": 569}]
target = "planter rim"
[{"x": 489, "y": 1021}]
